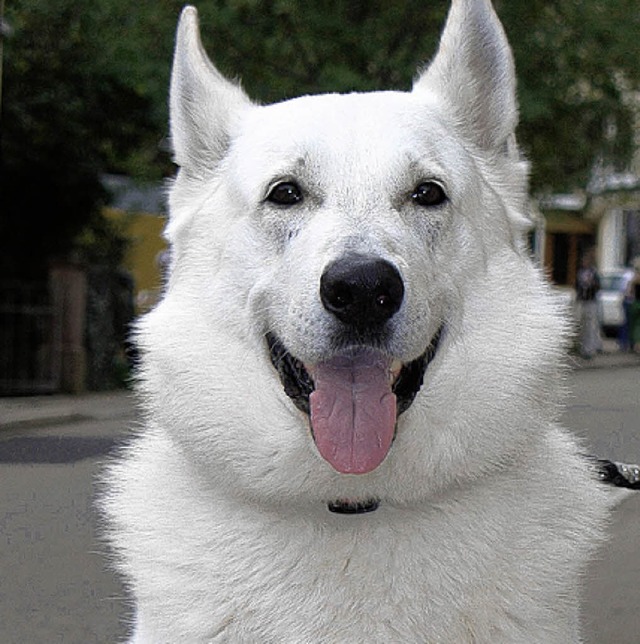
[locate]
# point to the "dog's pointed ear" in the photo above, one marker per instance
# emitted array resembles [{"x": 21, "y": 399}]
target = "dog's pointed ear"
[
  {"x": 473, "y": 73},
  {"x": 202, "y": 102}
]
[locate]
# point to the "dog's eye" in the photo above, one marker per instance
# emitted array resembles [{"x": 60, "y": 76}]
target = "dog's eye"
[
  {"x": 429, "y": 194},
  {"x": 286, "y": 193}
]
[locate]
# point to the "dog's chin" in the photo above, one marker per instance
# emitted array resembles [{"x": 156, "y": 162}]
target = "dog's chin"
[{"x": 406, "y": 378}]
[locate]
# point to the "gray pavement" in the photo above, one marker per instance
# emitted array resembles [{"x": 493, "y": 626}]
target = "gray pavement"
[
  {"x": 55, "y": 585},
  {"x": 610, "y": 358},
  {"x": 42, "y": 411}
]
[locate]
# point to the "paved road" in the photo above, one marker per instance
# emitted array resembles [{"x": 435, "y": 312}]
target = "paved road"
[
  {"x": 605, "y": 410},
  {"x": 54, "y": 586}
]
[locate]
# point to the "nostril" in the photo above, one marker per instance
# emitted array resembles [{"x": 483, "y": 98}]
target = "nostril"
[
  {"x": 339, "y": 295},
  {"x": 361, "y": 290},
  {"x": 386, "y": 302}
]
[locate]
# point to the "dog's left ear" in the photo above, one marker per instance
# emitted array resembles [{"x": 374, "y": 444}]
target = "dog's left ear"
[
  {"x": 202, "y": 102},
  {"x": 473, "y": 73}
]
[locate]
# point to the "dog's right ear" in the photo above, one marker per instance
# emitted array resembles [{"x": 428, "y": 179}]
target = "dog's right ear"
[{"x": 202, "y": 101}]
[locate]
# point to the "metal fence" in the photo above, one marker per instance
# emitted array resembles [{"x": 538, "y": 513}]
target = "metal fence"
[{"x": 28, "y": 356}]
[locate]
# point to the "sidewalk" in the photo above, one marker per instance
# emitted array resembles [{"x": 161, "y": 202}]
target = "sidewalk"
[
  {"x": 610, "y": 358},
  {"x": 38, "y": 411}
]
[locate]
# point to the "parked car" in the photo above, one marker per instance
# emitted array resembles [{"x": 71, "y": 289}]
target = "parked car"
[{"x": 610, "y": 298}]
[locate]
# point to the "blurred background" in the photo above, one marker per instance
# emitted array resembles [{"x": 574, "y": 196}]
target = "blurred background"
[
  {"x": 85, "y": 149},
  {"x": 84, "y": 163}
]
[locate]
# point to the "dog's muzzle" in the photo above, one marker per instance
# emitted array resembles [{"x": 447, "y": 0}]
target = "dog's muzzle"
[
  {"x": 356, "y": 369},
  {"x": 355, "y": 396},
  {"x": 404, "y": 382}
]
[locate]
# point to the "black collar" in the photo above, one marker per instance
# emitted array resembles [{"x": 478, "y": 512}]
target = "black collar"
[{"x": 353, "y": 507}]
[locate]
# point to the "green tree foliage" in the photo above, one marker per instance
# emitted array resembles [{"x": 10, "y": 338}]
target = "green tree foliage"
[
  {"x": 282, "y": 49},
  {"x": 86, "y": 85},
  {"x": 66, "y": 118},
  {"x": 577, "y": 62}
]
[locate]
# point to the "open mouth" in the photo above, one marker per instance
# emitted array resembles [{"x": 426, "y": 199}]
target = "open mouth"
[{"x": 353, "y": 399}]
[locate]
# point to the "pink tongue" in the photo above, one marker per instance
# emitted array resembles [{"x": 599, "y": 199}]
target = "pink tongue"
[{"x": 353, "y": 411}]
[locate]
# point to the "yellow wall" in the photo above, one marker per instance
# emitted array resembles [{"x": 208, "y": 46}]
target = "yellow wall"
[{"x": 145, "y": 233}]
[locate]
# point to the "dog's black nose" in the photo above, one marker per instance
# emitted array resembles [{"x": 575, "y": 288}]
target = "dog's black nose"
[{"x": 362, "y": 291}]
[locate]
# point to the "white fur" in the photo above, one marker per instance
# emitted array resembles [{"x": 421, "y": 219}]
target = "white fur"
[{"x": 219, "y": 513}]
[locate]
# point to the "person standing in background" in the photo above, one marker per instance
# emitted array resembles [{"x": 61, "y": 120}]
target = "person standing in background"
[
  {"x": 587, "y": 287},
  {"x": 624, "y": 332}
]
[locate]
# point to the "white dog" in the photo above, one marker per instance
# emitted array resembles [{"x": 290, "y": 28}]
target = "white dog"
[{"x": 352, "y": 382}]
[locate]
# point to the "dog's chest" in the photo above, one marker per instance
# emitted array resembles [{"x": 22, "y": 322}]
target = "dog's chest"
[{"x": 351, "y": 580}]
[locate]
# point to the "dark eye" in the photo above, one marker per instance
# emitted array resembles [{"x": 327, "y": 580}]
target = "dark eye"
[
  {"x": 429, "y": 194},
  {"x": 286, "y": 193}
]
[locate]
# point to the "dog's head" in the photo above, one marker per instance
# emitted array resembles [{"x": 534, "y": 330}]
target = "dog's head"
[{"x": 343, "y": 238}]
